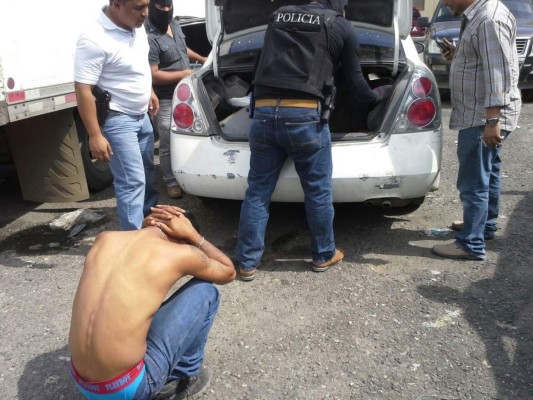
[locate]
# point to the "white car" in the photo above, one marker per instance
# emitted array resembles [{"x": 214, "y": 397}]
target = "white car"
[{"x": 395, "y": 163}]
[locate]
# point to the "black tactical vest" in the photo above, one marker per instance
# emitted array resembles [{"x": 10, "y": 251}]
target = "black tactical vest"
[{"x": 295, "y": 51}]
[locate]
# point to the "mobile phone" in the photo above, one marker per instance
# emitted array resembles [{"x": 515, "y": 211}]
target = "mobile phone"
[{"x": 442, "y": 44}]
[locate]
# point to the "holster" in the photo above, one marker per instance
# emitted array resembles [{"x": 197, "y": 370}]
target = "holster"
[
  {"x": 252, "y": 105},
  {"x": 101, "y": 98},
  {"x": 329, "y": 101}
]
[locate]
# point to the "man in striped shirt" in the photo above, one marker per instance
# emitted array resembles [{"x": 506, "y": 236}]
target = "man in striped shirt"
[{"x": 485, "y": 108}]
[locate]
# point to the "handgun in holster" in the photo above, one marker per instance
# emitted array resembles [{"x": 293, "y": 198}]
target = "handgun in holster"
[
  {"x": 102, "y": 99},
  {"x": 329, "y": 101}
]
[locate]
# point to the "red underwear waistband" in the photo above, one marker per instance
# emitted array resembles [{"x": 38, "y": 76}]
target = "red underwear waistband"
[{"x": 111, "y": 386}]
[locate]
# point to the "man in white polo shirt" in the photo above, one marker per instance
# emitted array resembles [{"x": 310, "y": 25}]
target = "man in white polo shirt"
[{"x": 113, "y": 55}]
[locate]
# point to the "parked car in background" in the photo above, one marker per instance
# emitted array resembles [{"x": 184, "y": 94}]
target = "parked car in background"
[
  {"x": 417, "y": 32},
  {"x": 391, "y": 160},
  {"x": 191, "y": 17},
  {"x": 444, "y": 24}
]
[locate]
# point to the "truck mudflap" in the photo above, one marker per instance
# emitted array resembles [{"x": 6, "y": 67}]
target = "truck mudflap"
[{"x": 47, "y": 156}]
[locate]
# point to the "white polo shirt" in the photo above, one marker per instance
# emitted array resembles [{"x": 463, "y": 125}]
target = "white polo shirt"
[{"x": 116, "y": 60}]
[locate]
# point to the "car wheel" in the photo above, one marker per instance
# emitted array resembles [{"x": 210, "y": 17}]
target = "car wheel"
[{"x": 97, "y": 173}]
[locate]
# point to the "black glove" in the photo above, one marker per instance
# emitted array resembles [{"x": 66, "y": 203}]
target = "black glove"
[
  {"x": 383, "y": 92},
  {"x": 379, "y": 108}
]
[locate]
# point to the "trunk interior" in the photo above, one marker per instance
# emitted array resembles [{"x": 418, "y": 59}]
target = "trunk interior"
[{"x": 229, "y": 98}]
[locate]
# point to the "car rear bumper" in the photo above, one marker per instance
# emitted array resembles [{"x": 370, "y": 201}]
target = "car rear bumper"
[{"x": 405, "y": 166}]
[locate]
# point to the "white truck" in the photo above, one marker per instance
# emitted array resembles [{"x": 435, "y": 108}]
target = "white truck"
[{"x": 40, "y": 129}]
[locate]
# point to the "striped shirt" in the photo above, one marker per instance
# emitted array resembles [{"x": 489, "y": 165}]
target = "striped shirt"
[{"x": 484, "y": 70}]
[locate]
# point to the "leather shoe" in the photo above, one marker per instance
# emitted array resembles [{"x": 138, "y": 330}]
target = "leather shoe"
[
  {"x": 454, "y": 251},
  {"x": 459, "y": 225},
  {"x": 337, "y": 258}
]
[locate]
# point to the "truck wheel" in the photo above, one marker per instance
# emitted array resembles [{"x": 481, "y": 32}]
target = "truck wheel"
[{"x": 98, "y": 173}]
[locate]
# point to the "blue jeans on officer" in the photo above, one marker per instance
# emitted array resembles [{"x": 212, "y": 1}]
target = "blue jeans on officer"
[
  {"x": 276, "y": 134},
  {"x": 479, "y": 185},
  {"x": 131, "y": 138}
]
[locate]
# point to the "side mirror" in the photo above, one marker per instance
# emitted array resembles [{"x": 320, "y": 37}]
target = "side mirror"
[{"x": 423, "y": 22}]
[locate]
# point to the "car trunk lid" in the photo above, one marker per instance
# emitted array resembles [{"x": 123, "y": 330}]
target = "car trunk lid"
[{"x": 226, "y": 20}]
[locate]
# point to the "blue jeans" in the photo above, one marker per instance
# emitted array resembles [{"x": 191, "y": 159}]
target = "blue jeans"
[
  {"x": 178, "y": 335},
  {"x": 479, "y": 185},
  {"x": 277, "y": 133},
  {"x": 132, "y": 164},
  {"x": 162, "y": 119}
]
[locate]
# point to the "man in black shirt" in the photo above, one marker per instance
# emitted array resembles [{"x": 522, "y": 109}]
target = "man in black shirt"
[
  {"x": 169, "y": 62},
  {"x": 293, "y": 91}
]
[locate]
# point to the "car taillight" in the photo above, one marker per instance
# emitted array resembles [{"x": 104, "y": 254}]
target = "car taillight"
[
  {"x": 421, "y": 112},
  {"x": 421, "y": 86},
  {"x": 183, "y": 92},
  {"x": 183, "y": 116},
  {"x": 188, "y": 116}
]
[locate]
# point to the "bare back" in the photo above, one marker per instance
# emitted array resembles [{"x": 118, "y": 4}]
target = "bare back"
[{"x": 125, "y": 279}]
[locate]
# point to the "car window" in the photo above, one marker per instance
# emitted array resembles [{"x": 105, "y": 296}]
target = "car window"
[
  {"x": 522, "y": 9},
  {"x": 444, "y": 15}
]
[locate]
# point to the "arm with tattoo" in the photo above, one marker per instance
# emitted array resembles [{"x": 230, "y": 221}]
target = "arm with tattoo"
[{"x": 211, "y": 263}]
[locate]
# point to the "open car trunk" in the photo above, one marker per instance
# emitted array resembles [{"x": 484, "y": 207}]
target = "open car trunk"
[
  {"x": 229, "y": 98},
  {"x": 236, "y": 29}
]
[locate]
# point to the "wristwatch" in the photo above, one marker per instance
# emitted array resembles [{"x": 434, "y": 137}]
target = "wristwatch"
[{"x": 492, "y": 121}]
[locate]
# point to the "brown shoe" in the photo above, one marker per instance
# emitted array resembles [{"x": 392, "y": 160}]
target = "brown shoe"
[
  {"x": 454, "y": 251},
  {"x": 458, "y": 225},
  {"x": 247, "y": 275},
  {"x": 174, "y": 192},
  {"x": 337, "y": 258}
]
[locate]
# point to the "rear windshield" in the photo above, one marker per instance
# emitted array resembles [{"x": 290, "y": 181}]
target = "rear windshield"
[{"x": 374, "y": 47}]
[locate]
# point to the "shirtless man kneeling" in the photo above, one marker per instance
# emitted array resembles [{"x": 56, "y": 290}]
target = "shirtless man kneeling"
[{"x": 125, "y": 343}]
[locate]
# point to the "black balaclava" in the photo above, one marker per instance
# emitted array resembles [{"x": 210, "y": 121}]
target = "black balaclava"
[
  {"x": 158, "y": 18},
  {"x": 336, "y": 5}
]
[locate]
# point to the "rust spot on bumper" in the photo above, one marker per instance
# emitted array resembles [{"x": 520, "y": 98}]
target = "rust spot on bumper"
[
  {"x": 231, "y": 155},
  {"x": 393, "y": 182}
]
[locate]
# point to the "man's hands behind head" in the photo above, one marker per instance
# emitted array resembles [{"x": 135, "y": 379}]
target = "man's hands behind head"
[{"x": 173, "y": 222}]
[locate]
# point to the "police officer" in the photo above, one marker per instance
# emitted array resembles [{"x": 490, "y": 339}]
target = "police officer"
[
  {"x": 169, "y": 63},
  {"x": 292, "y": 99}
]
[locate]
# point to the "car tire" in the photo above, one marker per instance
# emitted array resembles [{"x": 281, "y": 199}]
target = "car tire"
[{"x": 97, "y": 173}]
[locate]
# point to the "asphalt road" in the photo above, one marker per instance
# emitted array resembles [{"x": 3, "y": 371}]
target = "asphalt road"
[{"x": 391, "y": 322}]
